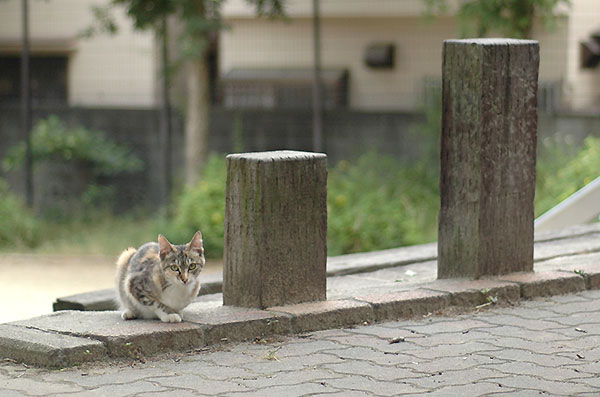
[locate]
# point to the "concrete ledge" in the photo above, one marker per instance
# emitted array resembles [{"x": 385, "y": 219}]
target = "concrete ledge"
[
  {"x": 67, "y": 338},
  {"x": 465, "y": 292},
  {"x": 129, "y": 339},
  {"x": 232, "y": 324},
  {"x": 397, "y": 305},
  {"x": 546, "y": 284},
  {"x": 36, "y": 347},
  {"x": 315, "y": 316}
]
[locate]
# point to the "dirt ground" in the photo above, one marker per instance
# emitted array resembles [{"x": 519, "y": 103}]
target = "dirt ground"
[{"x": 30, "y": 283}]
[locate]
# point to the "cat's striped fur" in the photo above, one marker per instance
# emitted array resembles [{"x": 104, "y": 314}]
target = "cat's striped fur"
[{"x": 158, "y": 280}]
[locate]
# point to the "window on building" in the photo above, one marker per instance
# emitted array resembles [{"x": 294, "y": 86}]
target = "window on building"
[
  {"x": 281, "y": 88},
  {"x": 48, "y": 79}
]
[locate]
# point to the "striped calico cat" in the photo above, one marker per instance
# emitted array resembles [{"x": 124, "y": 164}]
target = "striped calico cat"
[{"x": 158, "y": 280}]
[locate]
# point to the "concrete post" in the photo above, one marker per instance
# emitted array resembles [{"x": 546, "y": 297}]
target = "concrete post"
[
  {"x": 275, "y": 229},
  {"x": 487, "y": 181}
]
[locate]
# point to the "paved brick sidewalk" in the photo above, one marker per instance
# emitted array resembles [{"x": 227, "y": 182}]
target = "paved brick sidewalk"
[{"x": 546, "y": 346}]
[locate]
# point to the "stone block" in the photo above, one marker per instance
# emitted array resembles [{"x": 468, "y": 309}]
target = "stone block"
[
  {"x": 47, "y": 349},
  {"x": 464, "y": 292},
  {"x": 404, "y": 304},
  {"x": 132, "y": 339},
  {"x": 546, "y": 284},
  {"x": 229, "y": 323},
  {"x": 314, "y": 316}
]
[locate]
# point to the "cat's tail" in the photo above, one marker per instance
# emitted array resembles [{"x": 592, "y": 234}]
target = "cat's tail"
[
  {"x": 124, "y": 258},
  {"x": 122, "y": 265}
]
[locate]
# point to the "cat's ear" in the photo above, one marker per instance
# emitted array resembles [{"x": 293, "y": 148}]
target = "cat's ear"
[
  {"x": 196, "y": 244},
  {"x": 164, "y": 247}
]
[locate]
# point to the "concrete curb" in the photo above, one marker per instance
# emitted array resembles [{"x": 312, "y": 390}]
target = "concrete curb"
[
  {"x": 548, "y": 246},
  {"x": 69, "y": 338}
]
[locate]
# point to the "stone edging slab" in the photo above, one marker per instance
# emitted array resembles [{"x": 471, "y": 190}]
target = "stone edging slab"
[{"x": 68, "y": 338}]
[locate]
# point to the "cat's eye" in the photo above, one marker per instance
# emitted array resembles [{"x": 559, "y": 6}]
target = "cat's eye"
[
  {"x": 192, "y": 266},
  {"x": 175, "y": 268}
]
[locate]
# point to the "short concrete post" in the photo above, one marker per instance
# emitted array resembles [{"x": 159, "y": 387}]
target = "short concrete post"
[
  {"x": 275, "y": 229},
  {"x": 487, "y": 181}
]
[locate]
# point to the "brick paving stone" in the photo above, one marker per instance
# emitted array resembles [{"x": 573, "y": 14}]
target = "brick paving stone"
[
  {"x": 35, "y": 387},
  {"x": 466, "y": 362},
  {"x": 530, "y": 324},
  {"x": 289, "y": 390},
  {"x": 304, "y": 347},
  {"x": 210, "y": 371},
  {"x": 546, "y": 360},
  {"x": 379, "y": 388},
  {"x": 453, "y": 350},
  {"x": 197, "y": 383},
  {"x": 171, "y": 393},
  {"x": 526, "y": 382},
  {"x": 289, "y": 378},
  {"x": 460, "y": 325},
  {"x": 373, "y": 356},
  {"x": 508, "y": 342},
  {"x": 534, "y": 336},
  {"x": 456, "y": 378},
  {"x": 100, "y": 377},
  {"x": 449, "y": 338},
  {"x": 478, "y": 389},
  {"x": 561, "y": 373},
  {"x": 377, "y": 372},
  {"x": 265, "y": 366},
  {"x": 126, "y": 389}
]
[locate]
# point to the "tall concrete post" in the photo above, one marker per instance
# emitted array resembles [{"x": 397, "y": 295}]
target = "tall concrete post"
[
  {"x": 488, "y": 143},
  {"x": 275, "y": 229}
]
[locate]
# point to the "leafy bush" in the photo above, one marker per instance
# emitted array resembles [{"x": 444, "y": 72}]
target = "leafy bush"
[
  {"x": 564, "y": 168},
  {"x": 202, "y": 207},
  {"x": 18, "y": 226},
  {"x": 376, "y": 203},
  {"x": 52, "y": 140}
]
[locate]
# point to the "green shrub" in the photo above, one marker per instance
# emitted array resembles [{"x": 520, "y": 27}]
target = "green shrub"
[
  {"x": 562, "y": 169},
  {"x": 18, "y": 226},
  {"x": 202, "y": 207},
  {"x": 376, "y": 203},
  {"x": 52, "y": 140}
]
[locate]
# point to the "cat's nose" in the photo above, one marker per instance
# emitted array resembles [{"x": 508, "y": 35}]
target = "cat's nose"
[{"x": 184, "y": 279}]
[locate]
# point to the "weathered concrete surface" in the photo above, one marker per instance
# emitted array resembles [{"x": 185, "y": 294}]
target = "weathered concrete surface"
[
  {"x": 562, "y": 249},
  {"x": 406, "y": 303},
  {"x": 64, "y": 338},
  {"x": 548, "y": 346},
  {"x": 38, "y": 347},
  {"x": 314, "y": 316}
]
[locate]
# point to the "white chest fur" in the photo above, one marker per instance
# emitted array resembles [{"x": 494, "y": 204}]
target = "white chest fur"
[{"x": 179, "y": 295}]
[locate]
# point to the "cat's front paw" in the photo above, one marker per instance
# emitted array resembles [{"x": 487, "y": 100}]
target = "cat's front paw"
[
  {"x": 128, "y": 315},
  {"x": 171, "y": 318}
]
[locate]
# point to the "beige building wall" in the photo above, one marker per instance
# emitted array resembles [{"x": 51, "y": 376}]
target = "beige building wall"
[
  {"x": 582, "y": 85},
  {"x": 253, "y": 43},
  {"x": 105, "y": 70}
]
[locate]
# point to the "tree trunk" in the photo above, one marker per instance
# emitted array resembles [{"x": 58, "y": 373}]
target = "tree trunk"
[{"x": 197, "y": 118}]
